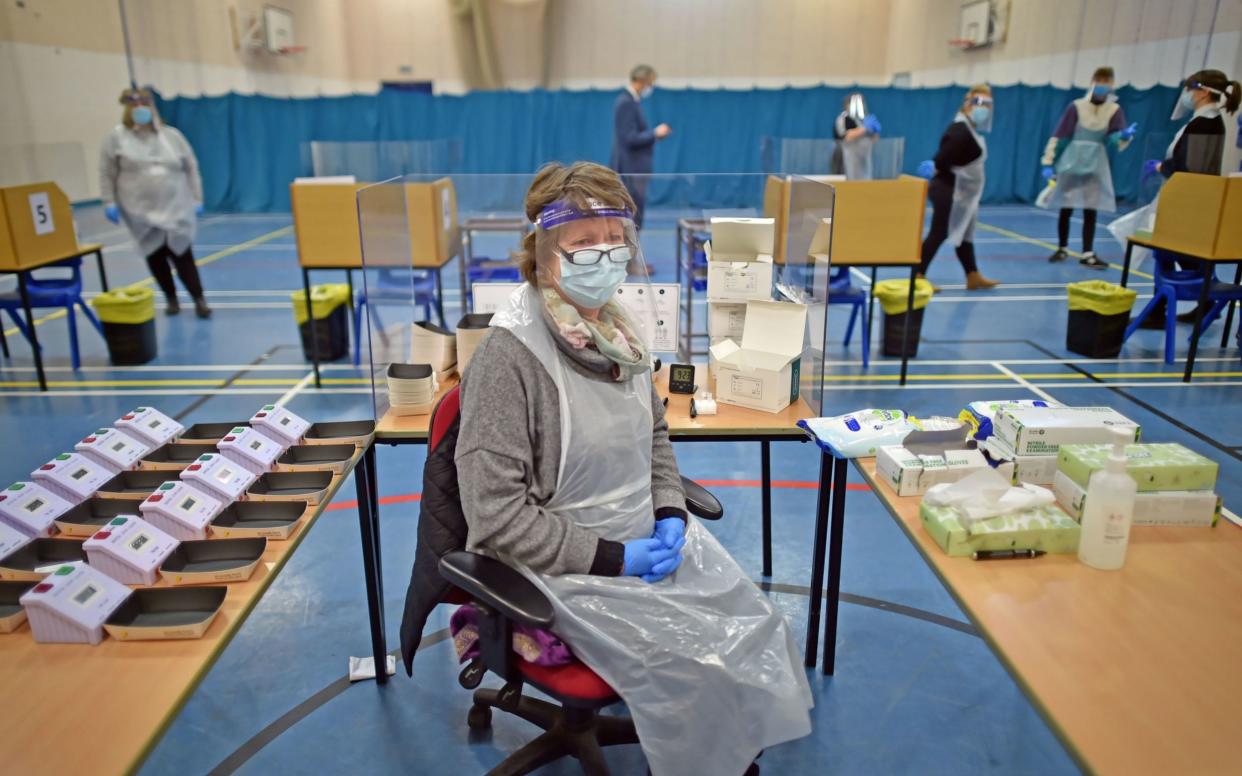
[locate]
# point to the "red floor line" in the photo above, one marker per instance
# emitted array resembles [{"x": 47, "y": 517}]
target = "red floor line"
[{"x": 803, "y": 484}]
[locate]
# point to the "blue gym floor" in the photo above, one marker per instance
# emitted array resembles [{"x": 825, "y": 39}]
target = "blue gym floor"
[{"x": 916, "y": 690}]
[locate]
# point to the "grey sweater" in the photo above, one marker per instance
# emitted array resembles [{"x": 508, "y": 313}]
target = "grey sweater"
[{"x": 509, "y": 451}]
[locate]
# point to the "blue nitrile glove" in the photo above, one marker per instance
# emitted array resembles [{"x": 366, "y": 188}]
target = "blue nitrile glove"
[
  {"x": 1129, "y": 132},
  {"x": 198, "y": 209},
  {"x": 872, "y": 125},
  {"x": 112, "y": 213},
  {"x": 664, "y": 568},
  {"x": 1049, "y": 172},
  {"x": 1151, "y": 167},
  {"x": 927, "y": 168},
  {"x": 669, "y": 529},
  {"x": 643, "y": 555}
]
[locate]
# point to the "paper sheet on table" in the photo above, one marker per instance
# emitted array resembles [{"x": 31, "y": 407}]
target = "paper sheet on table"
[{"x": 986, "y": 494}]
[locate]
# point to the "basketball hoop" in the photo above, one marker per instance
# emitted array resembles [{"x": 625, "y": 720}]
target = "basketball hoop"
[
  {"x": 286, "y": 51},
  {"x": 962, "y": 44}
]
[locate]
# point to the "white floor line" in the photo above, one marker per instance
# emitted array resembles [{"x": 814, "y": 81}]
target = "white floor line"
[
  {"x": 1059, "y": 286},
  {"x": 1231, "y": 517},
  {"x": 295, "y": 390},
  {"x": 938, "y": 299},
  {"x": 1022, "y": 381}
]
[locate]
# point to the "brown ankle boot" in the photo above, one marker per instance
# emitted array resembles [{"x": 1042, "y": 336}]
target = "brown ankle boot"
[
  {"x": 976, "y": 281},
  {"x": 935, "y": 288}
]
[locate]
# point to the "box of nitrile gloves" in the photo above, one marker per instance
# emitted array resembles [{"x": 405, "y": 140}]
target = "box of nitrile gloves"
[
  {"x": 1042, "y": 430},
  {"x": 1154, "y": 467},
  {"x": 1164, "y": 507}
]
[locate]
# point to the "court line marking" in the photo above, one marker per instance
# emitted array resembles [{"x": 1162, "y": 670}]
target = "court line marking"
[
  {"x": 1033, "y": 241},
  {"x": 1024, "y": 383}
]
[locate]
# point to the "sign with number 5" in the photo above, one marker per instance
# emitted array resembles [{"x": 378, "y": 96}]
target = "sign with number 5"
[{"x": 41, "y": 213}]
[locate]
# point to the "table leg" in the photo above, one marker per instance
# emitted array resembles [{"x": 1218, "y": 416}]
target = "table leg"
[
  {"x": 375, "y": 611},
  {"x": 871, "y": 304},
  {"x": 373, "y": 490},
  {"x": 30, "y": 326},
  {"x": 310, "y": 321},
  {"x": 465, "y": 260},
  {"x": 103, "y": 276},
  {"x": 677, "y": 255},
  {"x": 905, "y": 329},
  {"x": 440, "y": 298},
  {"x": 835, "y": 540},
  {"x": 1125, "y": 265},
  {"x": 4, "y": 342},
  {"x": 766, "y": 469},
  {"x": 1224, "y": 335},
  {"x": 1208, "y": 273},
  {"x": 811, "y": 647},
  {"x": 349, "y": 281}
]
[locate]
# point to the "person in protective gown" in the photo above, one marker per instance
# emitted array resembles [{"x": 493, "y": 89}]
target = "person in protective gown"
[
  {"x": 1076, "y": 158},
  {"x": 956, "y": 188},
  {"x": 566, "y": 472},
  {"x": 148, "y": 179},
  {"x": 855, "y": 131}
]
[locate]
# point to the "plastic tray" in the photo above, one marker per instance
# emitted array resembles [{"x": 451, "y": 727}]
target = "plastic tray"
[
  {"x": 20, "y": 565},
  {"x": 359, "y": 433},
  {"x": 253, "y": 519},
  {"x": 166, "y": 613},
  {"x": 172, "y": 457},
  {"x": 316, "y": 458},
  {"x": 83, "y": 520},
  {"x": 212, "y": 561},
  {"x": 306, "y": 487},
  {"x": 12, "y": 615},
  {"x": 208, "y": 433},
  {"x": 133, "y": 486}
]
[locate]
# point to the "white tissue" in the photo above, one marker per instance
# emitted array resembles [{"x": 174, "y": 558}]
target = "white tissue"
[
  {"x": 364, "y": 667},
  {"x": 987, "y": 494}
]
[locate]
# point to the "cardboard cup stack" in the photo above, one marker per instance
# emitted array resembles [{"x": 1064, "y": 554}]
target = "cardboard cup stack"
[
  {"x": 411, "y": 389},
  {"x": 470, "y": 331},
  {"x": 430, "y": 344}
]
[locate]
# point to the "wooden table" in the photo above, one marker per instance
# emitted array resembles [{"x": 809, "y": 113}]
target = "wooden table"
[
  {"x": 1135, "y": 670},
  {"x": 22, "y": 289},
  {"x": 75, "y": 708}
]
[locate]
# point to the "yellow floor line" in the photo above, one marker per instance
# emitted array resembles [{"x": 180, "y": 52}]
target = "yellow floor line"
[
  {"x": 182, "y": 383},
  {"x": 200, "y": 262},
  {"x": 1050, "y": 246}
]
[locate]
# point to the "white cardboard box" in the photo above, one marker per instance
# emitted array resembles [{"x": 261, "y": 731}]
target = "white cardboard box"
[
  {"x": 912, "y": 475},
  {"x": 255, "y": 451},
  {"x": 217, "y": 476},
  {"x": 71, "y": 604},
  {"x": 739, "y": 259},
  {"x": 72, "y": 477},
  {"x": 280, "y": 425},
  {"x": 150, "y": 425},
  {"x": 114, "y": 449},
  {"x": 1160, "y": 507},
  {"x": 130, "y": 550},
  {"x": 181, "y": 510},
  {"x": 31, "y": 509},
  {"x": 1035, "y": 469},
  {"x": 764, "y": 372},
  {"x": 1042, "y": 430},
  {"x": 726, "y": 320}
]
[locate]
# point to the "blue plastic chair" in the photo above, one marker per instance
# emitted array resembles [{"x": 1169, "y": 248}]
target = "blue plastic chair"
[
  {"x": 393, "y": 287},
  {"x": 1175, "y": 285},
  {"x": 841, "y": 291},
  {"x": 48, "y": 292}
]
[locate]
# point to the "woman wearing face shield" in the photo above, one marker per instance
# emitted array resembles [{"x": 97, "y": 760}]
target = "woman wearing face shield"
[
  {"x": 565, "y": 468},
  {"x": 148, "y": 178},
  {"x": 957, "y": 185}
]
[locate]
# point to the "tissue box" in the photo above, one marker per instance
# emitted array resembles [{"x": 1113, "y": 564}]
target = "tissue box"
[
  {"x": 1154, "y": 467},
  {"x": 1167, "y": 507},
  {"x": 1035, "y": 469},
  {"x": 1042, "y": 430},
  {"x": 1044, "y": 528},
  {"x": 739, "y": 259},
  {"x": 764, "y": 372},
  {"x": 912, "y": 475}
]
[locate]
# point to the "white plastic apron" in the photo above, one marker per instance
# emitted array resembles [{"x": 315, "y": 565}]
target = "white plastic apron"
[
  {"x": 706, "y": 665},
  {"x": 856, "y": 155},
  {"x": 967, "y": 192},
  {"x": 1084, "y": 178},
  {"x": 153, "y": 190}
]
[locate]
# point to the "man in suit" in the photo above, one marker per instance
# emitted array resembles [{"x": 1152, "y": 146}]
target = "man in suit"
[{"x": 633, "y": 142}]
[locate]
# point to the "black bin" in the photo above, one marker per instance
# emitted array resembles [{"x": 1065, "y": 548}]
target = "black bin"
[
  {"x": 894, "y": 327},
  {"x": 1099, "y": 312},
  {"x": 128, "y": 318},
  {"x": 328, "y": 329}
]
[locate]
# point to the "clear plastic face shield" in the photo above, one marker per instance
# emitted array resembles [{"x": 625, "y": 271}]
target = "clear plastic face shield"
[
  {"x": 978, "y": 107},
  {"x": 1186, "y": 100},
  {"x": 139, "y": 106},
  {"x": 1101, "y": 91},
  {"x": 856, "y": 107}
]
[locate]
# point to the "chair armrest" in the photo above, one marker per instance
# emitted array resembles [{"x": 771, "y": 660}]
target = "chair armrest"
[
  {"x": 700, "y": 502},
  {"x": 501, "y": 587}
]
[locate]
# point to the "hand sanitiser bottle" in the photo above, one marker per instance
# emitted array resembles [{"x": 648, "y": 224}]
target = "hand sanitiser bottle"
[{"x": 1109, "y": 510}]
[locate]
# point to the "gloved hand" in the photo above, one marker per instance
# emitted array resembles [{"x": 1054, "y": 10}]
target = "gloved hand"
[
  {"x": 1129, "y": 132},
  {"x": 927, "y": 168},
  {"x": 872, "y": 125},
  {"x": 198, "y": 209},
  {"x": 663, "y": 569},
  {"x": 668, "y": 530},
  {"x": 1049, "y": 172},
  {"x": 642, "y": 556},
  {"x": 112, "y": 213},
  {"x": 1151, "y": 167}
]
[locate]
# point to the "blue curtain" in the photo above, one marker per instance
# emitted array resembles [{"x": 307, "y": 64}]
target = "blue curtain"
[{"x": 251, "y": 147}]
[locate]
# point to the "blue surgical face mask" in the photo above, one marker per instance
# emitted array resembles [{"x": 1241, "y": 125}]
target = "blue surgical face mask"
[
  {"x": 1188, "y": 100},
  {"x": 646, "y": 92},
  {"x": 592, "y": 285},
  {"x": 141, "y": 115},
  {"x": 980, "y": 115},
  {"x": 1100, "y": 91}
]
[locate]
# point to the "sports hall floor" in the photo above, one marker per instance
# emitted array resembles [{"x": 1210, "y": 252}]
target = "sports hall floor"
[{"x": 916, "y": 689}]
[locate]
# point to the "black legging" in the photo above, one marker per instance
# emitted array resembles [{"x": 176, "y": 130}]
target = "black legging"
[
  {"x": 186, "y": 270},
  {"x": 941, "y": 196},
  {"x": 1088, "y": 228}
]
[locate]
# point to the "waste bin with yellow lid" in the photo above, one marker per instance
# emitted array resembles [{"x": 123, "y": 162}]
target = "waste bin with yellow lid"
[
  {"x": 128, "y": 318},
  {"x": 1099, "y": 312},
  {"x": 327, "y": 326},
  {"x": 894, "y": 296}
]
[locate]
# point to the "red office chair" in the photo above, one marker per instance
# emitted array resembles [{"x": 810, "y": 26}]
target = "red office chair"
[{"x": 504, "y": 597}]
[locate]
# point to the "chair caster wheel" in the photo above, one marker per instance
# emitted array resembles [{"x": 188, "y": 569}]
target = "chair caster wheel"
[
  {"x": 479, "y": 717},
  {"x": 510, "y": 696},
  {"x": 472, "y": 675}
]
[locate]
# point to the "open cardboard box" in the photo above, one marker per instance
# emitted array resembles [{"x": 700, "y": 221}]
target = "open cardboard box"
[
  {"x": 85, "y": 519},
  {"x": 172, "y": 457},
  {"x": 739, "y": 259},
  {"x": 208, "y": 433},
  {"x": 316, "y": 458},
  {"x": 359, "y": 433},
  {"x": 305, "y": 487},
  {"x": 212, "y": 561},
  {"x": 764, "y": 372},
  {"x": 166, "y": 613},
  {"x": 253, "y": 519},
  {"x": 38, "y": 558},
  {"x": 132, "y": 486}
]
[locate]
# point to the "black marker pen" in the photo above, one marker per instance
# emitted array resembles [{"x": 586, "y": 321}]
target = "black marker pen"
[{"x": 1006, "y": 554}]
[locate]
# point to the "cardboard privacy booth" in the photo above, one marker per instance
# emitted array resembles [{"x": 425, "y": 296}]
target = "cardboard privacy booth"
[
  {"x": 31, "y": 509},
  {"x": 764, "y": 371},
  {"x": 739, "y": 259},
  {"x": 36, "y": 226},
  {"x": 325, "y": 223}
]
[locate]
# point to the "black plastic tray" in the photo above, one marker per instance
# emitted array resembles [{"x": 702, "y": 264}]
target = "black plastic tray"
[
  {"x": 209, "y": 433},
  {"x": 85, "y": 519},
  {"x": 133, "y": 486},
  {"x": 11, "y": 612},
  {"x": 22, "y": 562},
  {"x": 290, "y": 485},
  {"x": 331, "y": 458},
  {"x": 166, "y": 613},
  {"x": 270, "y": 519},
  {"x": 356, "y": 432},
  {"x": 410, "y": 371},
  {"x": 213, "y": 561},
  {"x": 173, "y": 456}
]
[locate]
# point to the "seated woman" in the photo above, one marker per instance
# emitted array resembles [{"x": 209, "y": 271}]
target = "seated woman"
[{"x": 566, "y": 471}]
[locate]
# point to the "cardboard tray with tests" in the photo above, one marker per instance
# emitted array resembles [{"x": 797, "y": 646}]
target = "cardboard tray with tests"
[{"x": 764, "y": 372}]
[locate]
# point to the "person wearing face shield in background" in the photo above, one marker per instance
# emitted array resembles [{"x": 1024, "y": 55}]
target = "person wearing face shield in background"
[
  {"x": 1076, "y": 157},
  {"x": 1198, "y": 147},
  {"x": 148, "y": 178},
  {"x": 565, "y": 468},
  {"x": 855, "y": 131},
  {"x": 957, "y": 178}
]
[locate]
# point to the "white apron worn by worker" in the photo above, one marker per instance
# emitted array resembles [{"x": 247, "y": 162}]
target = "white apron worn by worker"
[
  {"x": 705, "y": 663},
  {"x": 153, "y": 187},
  {"x": 967, "y": 192},
  {"x": 1084, "y": 177}
]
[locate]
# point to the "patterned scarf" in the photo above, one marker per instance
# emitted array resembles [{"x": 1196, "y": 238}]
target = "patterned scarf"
[{"x": 612, "y": 334}]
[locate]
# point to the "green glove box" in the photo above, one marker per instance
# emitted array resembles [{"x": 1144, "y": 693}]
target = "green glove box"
[
  {"x": 1044, "y": 528},
  {"x": 1153, "y": 466}
]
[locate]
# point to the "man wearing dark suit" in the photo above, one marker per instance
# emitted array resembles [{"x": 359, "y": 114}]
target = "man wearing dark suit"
[{"x": 633, "y": 142}]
